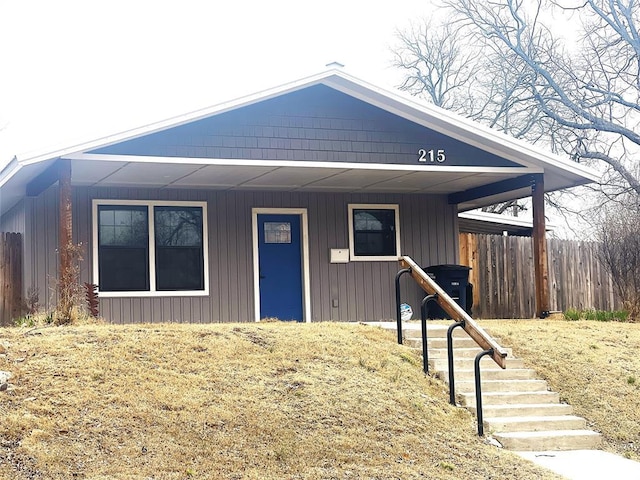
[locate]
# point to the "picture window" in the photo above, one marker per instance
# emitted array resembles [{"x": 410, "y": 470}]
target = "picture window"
[{"x": 150, "y": 248}]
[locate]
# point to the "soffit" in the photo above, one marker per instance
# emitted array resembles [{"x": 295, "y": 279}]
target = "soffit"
[{"x": 281, "y": 176}]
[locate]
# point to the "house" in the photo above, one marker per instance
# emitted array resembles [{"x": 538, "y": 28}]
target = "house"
[
  {"x": 497, "y": 224},
  {"x": 292, "y": 203}
]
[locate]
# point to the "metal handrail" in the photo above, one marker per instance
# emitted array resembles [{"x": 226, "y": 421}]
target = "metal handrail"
[
  {"x": 452, "y": 378},
  {"x": 398, "y": 300},
  {"x": 476, "y": 367},
  {"x": 487, "y": 343},
  {"x": 423, "y": 326}
]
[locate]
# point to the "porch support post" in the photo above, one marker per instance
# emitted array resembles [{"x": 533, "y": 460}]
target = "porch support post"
[
  {"x": 65, "y": 240},
  {"x": 540, "y": 248}
]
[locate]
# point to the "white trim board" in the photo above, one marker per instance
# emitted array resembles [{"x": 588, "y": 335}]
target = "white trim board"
[
  {"x": 373, "y": 206},
  {"x": 304, "y": 232}
]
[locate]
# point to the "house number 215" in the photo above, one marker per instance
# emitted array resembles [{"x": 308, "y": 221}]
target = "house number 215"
[{"x": 431, "y": 155}]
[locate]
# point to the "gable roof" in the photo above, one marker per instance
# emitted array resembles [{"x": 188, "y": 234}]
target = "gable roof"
[{"x": 559, "y": 172}]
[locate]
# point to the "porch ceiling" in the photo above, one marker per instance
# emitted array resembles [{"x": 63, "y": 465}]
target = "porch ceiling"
[{"x": 285, "y": 176}]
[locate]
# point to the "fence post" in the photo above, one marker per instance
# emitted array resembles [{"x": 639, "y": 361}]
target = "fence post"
[{"x": 10, "y": 277}]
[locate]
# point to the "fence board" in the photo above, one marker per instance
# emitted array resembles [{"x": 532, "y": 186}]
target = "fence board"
[
  {"x": 10, "y": 277},
  {"x": 503, "y": 276}
]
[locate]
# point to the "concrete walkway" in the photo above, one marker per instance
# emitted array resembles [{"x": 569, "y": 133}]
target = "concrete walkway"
[{"x": 585, "y": 464}]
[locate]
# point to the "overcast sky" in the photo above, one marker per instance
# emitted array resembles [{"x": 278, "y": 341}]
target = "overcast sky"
[{"x": 74, "y": 71}]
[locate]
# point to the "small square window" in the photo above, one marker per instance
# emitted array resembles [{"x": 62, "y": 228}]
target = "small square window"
[
  {"x": 277, "y": 232},
  {"x": 373, "y": 232}
]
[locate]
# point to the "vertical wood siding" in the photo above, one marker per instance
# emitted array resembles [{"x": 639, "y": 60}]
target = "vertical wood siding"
[
  {"x": 10, "y": 277},
  {"x": 14, "y": 219},
  {"x": 361, "y": 290},
  {"x": 503, "y": 270}
]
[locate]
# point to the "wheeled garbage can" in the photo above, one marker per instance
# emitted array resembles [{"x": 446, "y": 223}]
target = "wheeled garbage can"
[{"x": 454, "y": 280}]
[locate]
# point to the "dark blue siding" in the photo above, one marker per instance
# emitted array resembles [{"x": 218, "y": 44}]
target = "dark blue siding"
[{"x": 313, "y": 124}]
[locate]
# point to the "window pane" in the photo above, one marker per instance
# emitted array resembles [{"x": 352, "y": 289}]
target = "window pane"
[
  {"x": 123, "y": 248},
  {"x": 179, "y": 268},
  {"x": 374, "y": 232},
  {"x": 179, "y": 248},
  {"x": 107, "y": 217},
  {"x": 123, "y": 225},
  {"x": 277, "y": 232},
  {"x": 123, "y": 269},
  {"x": 178, "y": 226}
]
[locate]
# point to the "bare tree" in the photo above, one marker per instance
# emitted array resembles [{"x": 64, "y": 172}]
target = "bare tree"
[
  {"x": 437, "y": 67},
  {"x": 580, "y": 98},
  {"x": 457, "y": 74},
  {"x": 591, "y": 90},
  {"x": 619, "y": 251},
  {"x": 446, "y": 64},
  {"x": 507, "y": 64}
]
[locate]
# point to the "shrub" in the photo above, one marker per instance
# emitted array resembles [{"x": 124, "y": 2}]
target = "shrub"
[
  {"x": 596, "y": 315},
  {"x": 572, "y": 314}
]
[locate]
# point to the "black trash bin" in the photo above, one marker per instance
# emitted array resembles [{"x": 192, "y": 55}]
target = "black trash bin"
[{"x": 454, "y": 280}]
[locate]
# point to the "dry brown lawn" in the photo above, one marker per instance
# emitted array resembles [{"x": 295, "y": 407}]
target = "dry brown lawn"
[
  {"x": 595, "y": 366},
  {"x": 254, "y": 401}
]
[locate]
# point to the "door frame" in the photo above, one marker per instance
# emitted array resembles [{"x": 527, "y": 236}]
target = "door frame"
[{"x": 304, "y": 239}]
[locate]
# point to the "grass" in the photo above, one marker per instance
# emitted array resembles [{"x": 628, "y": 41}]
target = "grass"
[
  {"x": 593, "y": 365},
  {"x": 598, "y": 315},
  {"x": 254, "y": 401}
]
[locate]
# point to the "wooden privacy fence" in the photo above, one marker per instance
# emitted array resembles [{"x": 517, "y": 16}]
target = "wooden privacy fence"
[
  {"x": 10, "y": 277},
  {"x": 503, "y": 276}
]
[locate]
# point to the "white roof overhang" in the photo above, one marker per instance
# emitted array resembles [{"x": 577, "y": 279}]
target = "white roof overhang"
[{"x": 496, "y": 224}]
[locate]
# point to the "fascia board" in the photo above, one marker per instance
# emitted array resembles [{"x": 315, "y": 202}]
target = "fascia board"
[
  {"x": 9, "y": 171},
  {"x": 497, "y": 219}
]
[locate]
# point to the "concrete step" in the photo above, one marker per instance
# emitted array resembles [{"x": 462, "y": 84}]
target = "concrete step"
[
  {"x": 509, "y": 398},
  {"x": 508, "y": 385},
  {"x": 520, "y": 410},
  {"x": 552, "y": 440},
  {"x": 458, "y": 342},
  {"x": 463, "y": 363},
  {"x": 433, "y": 331},
  {"x": 534, "y": 423},
  {"x": 441, "y": 343},
  {"x": 470, "y": 352},
  {"x": 495, "y": 373}
]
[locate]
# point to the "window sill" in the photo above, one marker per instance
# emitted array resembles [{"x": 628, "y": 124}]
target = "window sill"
[{"x": 178, "y": 293}]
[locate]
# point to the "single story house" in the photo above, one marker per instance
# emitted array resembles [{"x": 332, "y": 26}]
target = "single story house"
[{"x": 292, "y": 203}]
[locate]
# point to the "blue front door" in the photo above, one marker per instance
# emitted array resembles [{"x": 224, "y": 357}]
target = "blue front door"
[{"x": 280, "y": 263}]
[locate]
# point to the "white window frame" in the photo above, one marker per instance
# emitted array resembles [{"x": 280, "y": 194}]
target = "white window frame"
[
  {"x": 152, "y": 292},
  {"x": 373, "y": 206}
]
